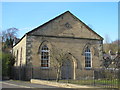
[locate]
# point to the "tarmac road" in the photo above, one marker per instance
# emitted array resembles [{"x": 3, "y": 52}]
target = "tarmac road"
[{"x": 23, "y": 85}]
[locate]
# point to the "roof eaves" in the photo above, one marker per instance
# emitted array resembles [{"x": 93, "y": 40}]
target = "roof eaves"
[{"x": 19, "y": 40}]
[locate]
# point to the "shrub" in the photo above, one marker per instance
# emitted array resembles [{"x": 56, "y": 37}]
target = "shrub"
[{"x": 7, "y": 62}]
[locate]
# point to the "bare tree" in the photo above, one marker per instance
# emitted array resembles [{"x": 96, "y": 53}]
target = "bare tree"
[
  {"x": 107, "y": 39},
  {"x": 111, "y": 45},
  {"x": 59, "y": 56},
  {"x": 10, "y": 33},
  {"x": 8, "y": 37}
]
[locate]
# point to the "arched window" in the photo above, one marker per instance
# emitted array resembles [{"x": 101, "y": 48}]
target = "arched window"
[
  {"x": 87, "y": 58},
  {"x": 21, "y": 57},
  {"x": 45, "y": 56},
  {"x": 17, "y": 58}
]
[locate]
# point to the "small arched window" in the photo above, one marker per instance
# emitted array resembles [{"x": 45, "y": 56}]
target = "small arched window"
[
  {"x": 17, "y": 58},
  {"x": 21, "y": 57},
  {"x": 44, "y": 57},
  {"x": 88, "y": 63}
]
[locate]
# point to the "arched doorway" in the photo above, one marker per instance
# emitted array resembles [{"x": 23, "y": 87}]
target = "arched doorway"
[{"x": 67, "y": 70}]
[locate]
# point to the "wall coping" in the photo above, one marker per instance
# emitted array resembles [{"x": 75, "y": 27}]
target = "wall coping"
[{"x": 57, "y": 84}]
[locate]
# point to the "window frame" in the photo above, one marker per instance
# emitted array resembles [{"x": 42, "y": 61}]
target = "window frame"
[
  {"x": 88, "y": 58},
  {"x": 43, "y": 58}
]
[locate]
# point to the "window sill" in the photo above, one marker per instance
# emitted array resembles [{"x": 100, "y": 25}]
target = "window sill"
[
  {"x": 88, "y": 68},
  {"x": 44, "y": 67}
]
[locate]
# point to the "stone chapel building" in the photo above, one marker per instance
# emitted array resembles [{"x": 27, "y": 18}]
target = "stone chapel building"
[{"x": 82, "y": 46}]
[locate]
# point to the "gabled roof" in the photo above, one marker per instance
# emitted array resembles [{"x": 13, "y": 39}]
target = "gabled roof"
[
  {"x": 62, "y": 15},
  {"x": 28, "y": 33}
]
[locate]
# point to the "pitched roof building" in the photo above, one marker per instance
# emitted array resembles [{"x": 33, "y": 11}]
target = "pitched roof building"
[{"x": 80, "y": 46}]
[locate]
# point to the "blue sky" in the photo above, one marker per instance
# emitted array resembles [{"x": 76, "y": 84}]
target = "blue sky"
[{"x": 102, "y": 17}]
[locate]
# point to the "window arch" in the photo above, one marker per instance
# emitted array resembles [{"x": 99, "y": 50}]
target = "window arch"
[
  {"x": 88, "y": 63},
  {"x": 44, "y": 56}
]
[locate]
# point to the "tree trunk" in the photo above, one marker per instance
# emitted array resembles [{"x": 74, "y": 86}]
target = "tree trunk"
[{"x": 58, "y": 75}]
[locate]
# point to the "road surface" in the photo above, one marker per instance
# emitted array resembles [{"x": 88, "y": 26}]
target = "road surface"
[{"x": 22, "y": 84}]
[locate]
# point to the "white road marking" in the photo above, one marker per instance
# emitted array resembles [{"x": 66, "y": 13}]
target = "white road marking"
[{"x": 16, "y": 85}]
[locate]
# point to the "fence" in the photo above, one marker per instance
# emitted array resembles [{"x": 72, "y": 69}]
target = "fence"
[
  {"x": 21, "y": 73},
  {"x": 105, "y": 78}
]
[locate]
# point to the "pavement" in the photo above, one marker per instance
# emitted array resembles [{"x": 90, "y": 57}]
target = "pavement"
[
  {"x": 60, "y": 85},
  {"x": 22, "y": 84}
]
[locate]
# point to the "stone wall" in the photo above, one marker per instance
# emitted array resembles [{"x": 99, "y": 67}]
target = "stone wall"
[
  {"x": 69, "y": 45},
  {"x": 21, "y": 49}
]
